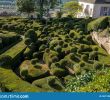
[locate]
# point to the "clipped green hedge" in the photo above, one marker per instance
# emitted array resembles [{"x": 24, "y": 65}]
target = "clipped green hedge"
[
  {"x": 100, "y": 23},
  {"x": 50, "y": 83},
  {"x": 10, "y": 82}
]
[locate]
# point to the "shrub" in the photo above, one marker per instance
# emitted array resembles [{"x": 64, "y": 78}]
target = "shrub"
[
  {"x": 97, "y": 65},
  {"x": 93, "y": 55},
  {"x": 98, "y": 84},
  {"x": 28, "y": 53},
  {"x": 82, "y": 64},
  {"x": 34, "y": 61},
  {"x": 71, "y": 34},
  {"x": 95, "y": 49},
  {"x": 31, "y": 35},
  {"x": 38, "y": 65},
  {"x": 59, "y": 14},
  {"x": 32, "y": 46},
  {"x": 8, "y": 85},
  {"x": 100, "y": 23},
  {"x": 35, "y": 55},
  {"x": 54, "y": 59},
  {"x": 27, "y": 41},
  {"x": 47, "y": 50},
  {"x": 84, "y": 58},
  {"x": 61, "y": 43},
  {"x": 42, "y": 47},
  {"x": 65, "y": 45},
  {"x": 55, "y": 65},
  {"x": 58, "y": 49},
  {"x": 52, "y": 83},
  {"x": 77, "y": 69},
  {"x": 89, "y": 38},
  {"x": 63, "y": 63},
  {"x": 73, "y": 50},
  {"x": 59, "y": 72},
  {"x": 5, "y": 60},
  {"x": 5, "y": 26},
  {"x": 47, "y": 57}
]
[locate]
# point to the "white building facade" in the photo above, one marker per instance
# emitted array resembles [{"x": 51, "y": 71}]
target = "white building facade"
[
  {"x": 8, "y": 6},
  {"x": 94, "y": 8}
]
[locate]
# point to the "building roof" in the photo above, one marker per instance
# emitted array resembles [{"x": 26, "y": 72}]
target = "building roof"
[{"x": 96, "y": 1}]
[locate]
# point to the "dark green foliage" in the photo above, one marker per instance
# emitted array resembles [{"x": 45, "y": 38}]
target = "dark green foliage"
[
  {"x": 31, "y": 35},
  {"x": 58, "y": 49},
  {"x": 84, "y": 57},
  {"x": 76, "y": 82},
  {"x": 42, "y": 47},
  {"x": 93, "y": 55},
  {"x": 27, "y": 41},
  {"x": 35, "y": 55},
  {"x": 5, "y": 60},
  {"x": 28, "y": 53},
  {"x": 52, "y": 83},
  {"x": 82, "y": 64},
  {"x": 59, "y": 72},
  {"x": 100, "y": 23},
  {"x": 95, "y": 49},
  {"x": 73, "y": 50},
  {"x": 34, "y": 61},
  {"x": 98, "y": 65}
]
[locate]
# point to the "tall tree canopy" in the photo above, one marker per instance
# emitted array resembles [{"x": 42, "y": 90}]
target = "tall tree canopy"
[
  {"x": 43, "y": 5},
  {"x": 72, "y": 8},
  {"x": 27, "y": 6}
]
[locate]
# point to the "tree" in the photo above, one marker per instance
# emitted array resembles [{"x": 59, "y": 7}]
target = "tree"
[
  {"x": 27, "y": 6},
  {"x": 72, "y": 8},
  {"x": 44, "y": 6}
]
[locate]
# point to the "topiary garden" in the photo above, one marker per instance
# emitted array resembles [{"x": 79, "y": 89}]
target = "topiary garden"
[{"x": 59, "y": 56}]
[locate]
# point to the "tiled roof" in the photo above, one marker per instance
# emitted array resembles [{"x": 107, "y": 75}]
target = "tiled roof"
[{"x": 96, "y": 1}]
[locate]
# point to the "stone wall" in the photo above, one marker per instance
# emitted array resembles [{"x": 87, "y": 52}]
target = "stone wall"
[{"x": 103, "y": 41}]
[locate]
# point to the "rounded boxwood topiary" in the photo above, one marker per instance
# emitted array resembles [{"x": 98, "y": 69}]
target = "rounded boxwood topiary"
[
  {"x": 5, "y": 60},
  {"x": 61, "y": 43},
  {"x": 65, "y": 45},
  {"x": 77, "y": 69},
  {"x": 35, "y": 55},
  {"x": 47, "y": 50},
  {"x": 42, "y": 47},
  {"x": 93, "y": 55},
  {"x": 31, "y": 34},
  {"x": 71, "y": 34},
  {"x": 73, "y": 50},
  {"x": 32, "y": 46},
  {"x": 82, "y": 64},
  {"x": 54, "y": 59},
  {"x": 58, "y": 49},
  {"x": 63, "y": 63},
  {"x": 34, "y": 61},
  {"x": 59, "y": 72},
  {"x": 38, "y": 65},
  {"x": 88, "y": 38},
  {"x": 55, "y": 65},
  {"x": 84, "y": 58},
  {"x": 95, "y": 49},
  {"x": 97, "y": 65},
  {"x": 27, "y": 41}
]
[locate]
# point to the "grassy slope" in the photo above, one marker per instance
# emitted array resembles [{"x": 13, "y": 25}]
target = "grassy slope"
[
  {"x": 12, "y": 82},
  {"x": 9, "y": 79},
  {"x": 15, "y": 50}
]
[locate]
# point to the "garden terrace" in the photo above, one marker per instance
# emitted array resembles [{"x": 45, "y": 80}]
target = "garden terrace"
[
  {"x": 10, "y": 82},
  {"x": 54, "y": 54}
]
